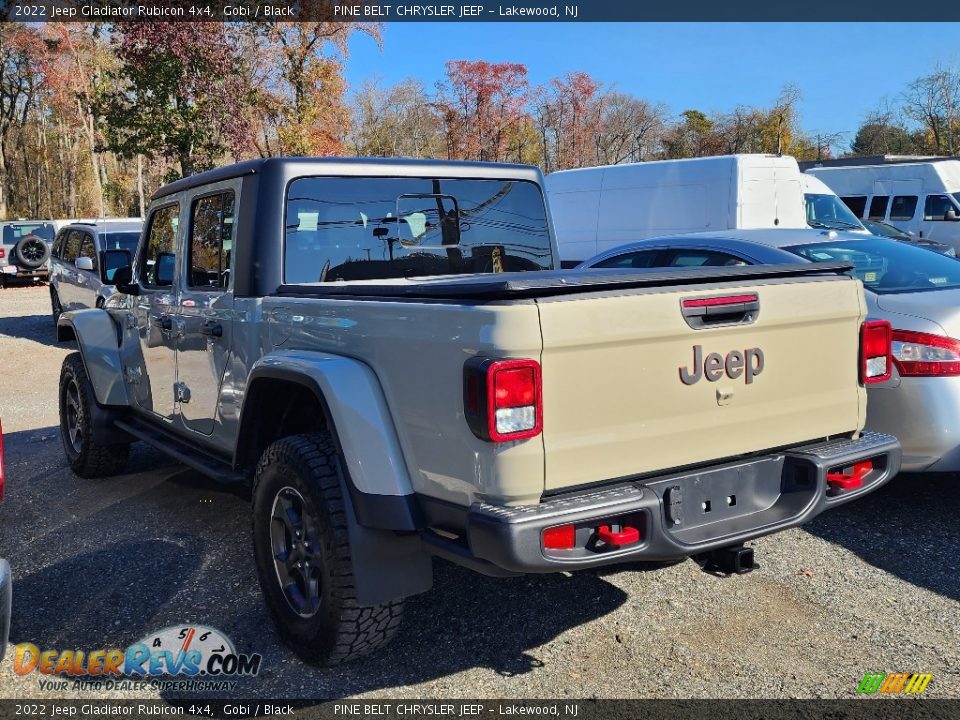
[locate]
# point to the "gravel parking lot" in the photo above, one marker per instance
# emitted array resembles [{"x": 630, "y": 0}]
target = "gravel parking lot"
[{"x": 874, "y": 586}]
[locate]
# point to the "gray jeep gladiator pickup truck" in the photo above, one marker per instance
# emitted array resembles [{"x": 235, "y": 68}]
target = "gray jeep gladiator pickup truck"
[{"x": 388, "y": 353}]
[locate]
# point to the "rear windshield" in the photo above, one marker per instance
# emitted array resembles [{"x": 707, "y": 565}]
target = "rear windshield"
[
  {"x": 15, "y": 231},
  {"x": 888, "y": 266},
  {"x": 119, "y": 241},
  {"x": 381, "y": 228}
]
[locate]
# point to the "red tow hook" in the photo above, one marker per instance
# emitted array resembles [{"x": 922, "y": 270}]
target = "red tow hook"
[
  {"x": 626, "y": 536},
  {"x": 852, "y": 479}
]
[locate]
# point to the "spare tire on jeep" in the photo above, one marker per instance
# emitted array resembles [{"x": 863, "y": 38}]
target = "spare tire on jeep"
[{"x": 31, "y": 252}]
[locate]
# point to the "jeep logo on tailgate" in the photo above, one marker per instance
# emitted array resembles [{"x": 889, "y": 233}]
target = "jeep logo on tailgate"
[{"x": 748, "y": 363}]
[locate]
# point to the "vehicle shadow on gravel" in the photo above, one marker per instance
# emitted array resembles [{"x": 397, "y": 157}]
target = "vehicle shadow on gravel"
[
  {"x": 907, "y": 528},
  {"x": 466, "y": 621},
  {"x": 98, "y": 599},
  {"x": 38, "y": 328},
  {"x": 163, "y": 545}
]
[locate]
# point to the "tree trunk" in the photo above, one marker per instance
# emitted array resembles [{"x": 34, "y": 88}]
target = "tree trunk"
[
  {"x": 3, "y": 180},
  {"x": 90, "y": 130},
  {"x": 143, "y": 207}
]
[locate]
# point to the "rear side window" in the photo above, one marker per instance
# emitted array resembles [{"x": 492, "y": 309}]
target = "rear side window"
[
  {"x": 936, "y": 207},
  {"x": 87, "y": 249},
  {"x": 158, "y": 261},
  {"x": 211, "y": 241},
  {"x": 57, "y": 250},
  {"x": 71, "y": 248},
  {"x": 903, "y": 207},
  {"x": 363, "y": 228},
  {"x": 702, "y": 258},
  {"x": 856, "y": 203},
  {"x": 645, "y": 259},
  {"x": 878, "y": 207}
]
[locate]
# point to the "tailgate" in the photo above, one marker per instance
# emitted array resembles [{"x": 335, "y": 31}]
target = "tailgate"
[{"x": 615, "y": 402}]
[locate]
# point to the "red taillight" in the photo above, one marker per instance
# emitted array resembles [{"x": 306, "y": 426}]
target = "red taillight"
[
  {"x": 875, "y": 346},
  {"x": 502, "y": 399},
  {"x": 3, "y": 253},
  {"x": 2, "y": 478},
  {"x": 562, "y": 537},
  {"x": 515, "y": 387},
  {"x": 918, "y": 354}
]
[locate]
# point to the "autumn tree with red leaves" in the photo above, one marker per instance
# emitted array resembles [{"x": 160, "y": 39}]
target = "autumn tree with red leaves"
[
  {"x": 178, "y": 93},
  {"x": 299, "y": 105},
  {"x": 21, "y": 78},
  {"x": 576, "y": 120},
  {"x": 481, "y": 104}
]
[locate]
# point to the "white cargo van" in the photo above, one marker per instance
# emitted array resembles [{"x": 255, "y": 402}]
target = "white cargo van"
[
  {"x": 825, "y": 210},
  {"x": 597, "y": 208},
  {"x": 922, "y": 198}
]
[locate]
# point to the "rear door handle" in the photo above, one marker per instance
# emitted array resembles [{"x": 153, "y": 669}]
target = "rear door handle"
[{"x": 212, "y": 328}]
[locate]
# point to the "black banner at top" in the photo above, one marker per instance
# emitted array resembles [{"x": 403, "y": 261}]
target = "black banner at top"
[{"x": 810, "y": 11}]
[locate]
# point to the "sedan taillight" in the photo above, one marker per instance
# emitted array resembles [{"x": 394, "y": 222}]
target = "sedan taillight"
[{"x": 918, "y": 354}]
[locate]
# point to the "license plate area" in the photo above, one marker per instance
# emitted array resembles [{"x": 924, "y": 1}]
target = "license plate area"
[{"x": 709, "y": 504}]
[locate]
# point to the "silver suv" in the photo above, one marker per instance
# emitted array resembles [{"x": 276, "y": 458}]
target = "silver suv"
[
  {"x": 81, "y": 273},
  {"x": 24, "y": 250}
]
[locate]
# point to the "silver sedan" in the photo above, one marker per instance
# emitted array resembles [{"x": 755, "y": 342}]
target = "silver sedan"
[{"x": 918, "y": 291}]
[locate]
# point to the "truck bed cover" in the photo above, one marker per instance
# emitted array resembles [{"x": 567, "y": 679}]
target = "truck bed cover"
[{"x": 520, "y": 285}]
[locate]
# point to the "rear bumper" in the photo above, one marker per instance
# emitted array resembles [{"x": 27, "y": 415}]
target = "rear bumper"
[
  {"x": 6, "y": 597},
  {"x": 22, "y": 273},
  {"x": 678, "y": 515}
]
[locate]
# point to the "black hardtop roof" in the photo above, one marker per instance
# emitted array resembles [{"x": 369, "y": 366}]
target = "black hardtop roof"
[{"x": 356, "y": 166}]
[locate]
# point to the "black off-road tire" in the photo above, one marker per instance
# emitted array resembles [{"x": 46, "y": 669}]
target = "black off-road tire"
[
  {"x": 31, "y": 252},
  {"x": 339, "y": 629},
  {"x": 87, "y": 457}
]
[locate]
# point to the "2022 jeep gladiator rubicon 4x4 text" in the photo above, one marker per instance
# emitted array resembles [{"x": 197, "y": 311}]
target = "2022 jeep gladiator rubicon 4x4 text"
[{"x": 387, "y": 351}]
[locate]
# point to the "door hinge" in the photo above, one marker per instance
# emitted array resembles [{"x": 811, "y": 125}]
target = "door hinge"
[{"x": 182, "y": 392}]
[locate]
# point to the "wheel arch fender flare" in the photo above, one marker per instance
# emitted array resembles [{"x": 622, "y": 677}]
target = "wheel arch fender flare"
[
  {"x": 99, "y": 344},
  {"x": 389, "y": 562},
  {"x": 357, "y": 415}
]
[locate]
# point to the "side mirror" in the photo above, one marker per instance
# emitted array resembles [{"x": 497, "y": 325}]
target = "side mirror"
[
  {"x": 84, "y": 263},
  {"x": 123, "y": 279},
  {"x": 951, "y": 215}
]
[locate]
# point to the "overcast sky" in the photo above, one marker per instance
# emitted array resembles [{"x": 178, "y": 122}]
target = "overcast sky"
[{"x": 842, "y": 69}]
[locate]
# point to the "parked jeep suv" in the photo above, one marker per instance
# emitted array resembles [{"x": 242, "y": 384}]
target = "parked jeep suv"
[
  {"x": 79, "y": 276},
  {"x": 387, "y": 355},
  {"x": 24, "y": 251}
]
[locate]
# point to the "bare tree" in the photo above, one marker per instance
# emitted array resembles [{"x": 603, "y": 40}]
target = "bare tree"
[
  {"x": 628, "y": 129},
  {"x": 934, "y": 101}
]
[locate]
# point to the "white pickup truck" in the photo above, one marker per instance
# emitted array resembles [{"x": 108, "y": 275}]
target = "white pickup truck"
[{"x": 388, "y": 353}]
